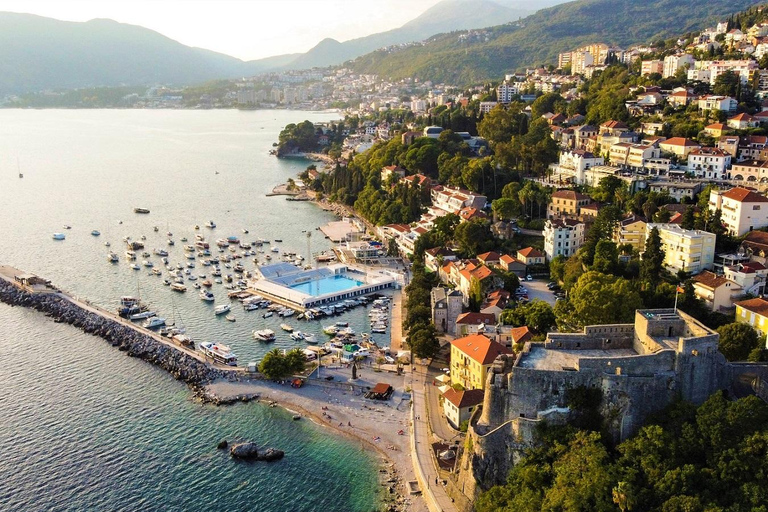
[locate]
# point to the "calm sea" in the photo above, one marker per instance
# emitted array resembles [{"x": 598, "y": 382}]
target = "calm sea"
[{"x": 82, "y": 426}]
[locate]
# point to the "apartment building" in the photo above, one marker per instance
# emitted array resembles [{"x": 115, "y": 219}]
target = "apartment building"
[{"x": 691, "y": 250}]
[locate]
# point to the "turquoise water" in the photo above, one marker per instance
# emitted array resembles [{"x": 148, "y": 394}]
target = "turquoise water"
[
  {"x": 83, "y": 426},
  {"x": 330, "y": 284}
]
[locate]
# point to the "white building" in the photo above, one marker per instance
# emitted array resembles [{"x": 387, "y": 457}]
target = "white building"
[
  {"x": 487, "y": 106},
  {"x": 562, "y": 236},
  {"x": 505, "y": 92},
  {"x": 742, "y": 210},
  {"x": 672, "y": 63},
  {"x": 691, "y": 250},
  {"x": 709, "y": 163},
  {"x": 573, "y": 164},
  {"x": 724, "y": 103},
  {"x": 452, "y": 200}
]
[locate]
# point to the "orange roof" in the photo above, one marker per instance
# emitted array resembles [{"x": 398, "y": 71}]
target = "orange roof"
[
  {"x": 710, "y": 280},
  {"x": 569, "y": 194},
  {"x": 488, "y": 256},
  {"x": 466, "y": 398},
  {"x": 481, "y": 273},
  {"x": 521, "y": 334},
  {"x": 508, "y": 259},
  {"x": 744, "y": 195},
  {"x": 680, "y": 141},
  {"x": 530, "y": 252},
  {"x": 757, "y": 306},
  {"x": 472, "y": 318},
  {"x": 480, "y": 348},
  {"x": 742, "y": 117},
  {"x": 716, "y": 126}
]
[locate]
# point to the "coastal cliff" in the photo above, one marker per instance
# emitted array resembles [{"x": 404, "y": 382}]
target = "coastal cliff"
[{"x": 126, "y": 338}]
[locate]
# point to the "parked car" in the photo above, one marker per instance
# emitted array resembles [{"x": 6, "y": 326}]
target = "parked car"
[{"x": 529, "y": 277}]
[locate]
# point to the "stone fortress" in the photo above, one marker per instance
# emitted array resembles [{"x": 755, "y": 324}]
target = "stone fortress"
[{"x": 640, "y": 368}]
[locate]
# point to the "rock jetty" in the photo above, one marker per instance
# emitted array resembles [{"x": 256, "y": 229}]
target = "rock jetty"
[
  {"x": 249, "y": 451},
  {"x": 126, "y": 338}
]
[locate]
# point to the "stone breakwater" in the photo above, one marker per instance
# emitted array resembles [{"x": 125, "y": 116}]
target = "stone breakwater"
[{"x": 126, "y": 338}]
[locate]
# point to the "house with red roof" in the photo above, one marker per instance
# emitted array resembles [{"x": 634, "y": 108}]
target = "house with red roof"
[
  {"x": 567, "y": 202},
  {"x": 709, "y": 163},
  {"x": 743, "y": 210},
  {"x": 715, "y": 130},
  {"x": 473, "y": 323},
  {"x": 512, "y": 264},
  {"x": 750, "y": 275},
  {"x": 742, "y": 121},
  {"x": 679, "y": 146},
  {"x": 717, "y": 292},
  {"x": 530, "y": 256},
  {"x": 459, "y": 405},
  {"x": 471, "y": 359}
]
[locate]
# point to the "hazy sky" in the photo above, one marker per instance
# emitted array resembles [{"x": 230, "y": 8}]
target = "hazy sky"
[{"x": 248, "y": 29}]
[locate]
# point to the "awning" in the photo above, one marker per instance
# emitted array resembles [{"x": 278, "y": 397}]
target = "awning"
[
  {"x": 443, "y": 378},
  {"x": 444, "y": 388}
]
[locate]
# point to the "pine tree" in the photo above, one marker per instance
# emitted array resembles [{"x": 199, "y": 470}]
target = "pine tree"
[{"x": 653, "y": 259}]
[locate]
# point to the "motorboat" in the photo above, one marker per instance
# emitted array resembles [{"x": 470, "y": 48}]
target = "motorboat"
[
  {"x": 207, "y": 296},
  {"x": 219, "y": 353},
  {"x": 95, "y": 232},
  {"x": 264, "y": 335},
  {"x": 183, "y": 340},
  {"x": 223, "y": 309},
  {"x": 331, "y": 330},
  {"x": 267, "y": 314},
  {"x": 245, "y": 231},
  {"x": 230, "y": 318},
  {"x": 297, "y": 336},
  {"x": 177, "y": 287},
  {"x": 275, "y": 249},
  {"x": 233, "y": 240},
  {"x": 310, "y": 338},
  {"x": 140, "y": 210},
  {"x": 154, "y": 322},
  {"x": 286, "y": 327},
  {"x": 285, "y": 313},
  {"x": 171, "y": 242},
  {"x": 251, "y": 306},
  {"x": 161, "y": 252},
  {"x": 207, "y": 283},
  {"x": 210, "y": 224},
  {"x": 157, "y": 271},
  {"x": 147, "y": 263},
  {"x": 59, "y": 236},
  {"x": 135, "y": 266},
  {"x": 143, "y": 315},
  {"x": 112, "y": 257}
]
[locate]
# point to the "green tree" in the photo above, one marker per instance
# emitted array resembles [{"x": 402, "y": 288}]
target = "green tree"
[
  {"x": 274, "y": 365},
  {"x": 737, "y": 340},
  {"x": 602, "y": 299},
  {"x": 606, "y": 258},
  {"x": 506, "y": 208},
  {"x": 472, "y": 238},
  {"x": 727, "y": 84},
  {"x": 423, "y": 341},
  {"x": 653, "y": 259},
  {"x": 689, "y": 218},
  {"x": 557, "y": 268}
]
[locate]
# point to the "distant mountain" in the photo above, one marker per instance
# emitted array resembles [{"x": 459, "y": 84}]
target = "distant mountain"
[
  {"x": 446, "y": 16},
  {"x": 39, "y": 53},
  {"x": 540, "y": 37}
]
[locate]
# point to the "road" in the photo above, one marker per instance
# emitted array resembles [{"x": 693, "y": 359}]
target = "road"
[
  {"x": 537, "y": 289},
  {"x": 434, "y": 493},
  {"x": 437, "y": 421}
]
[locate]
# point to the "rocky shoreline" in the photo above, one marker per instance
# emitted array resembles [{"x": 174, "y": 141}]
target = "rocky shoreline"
[{"x": 181, "y": 366}]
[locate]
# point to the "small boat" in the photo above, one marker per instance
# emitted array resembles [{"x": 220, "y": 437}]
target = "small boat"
[
  {"x": 135, "y": 266},
  {"x": 157, "y": 271},
  {"x": 59, "y": 236},
  {"x": 286, "y": 327},
  {"x": 153, "y": 322},
  {"x": 161, "y": 252},
  {"x": 140, "y": 210},
  {"x": 183, "y": 239},
  {"x": 230, "y": 318},
  {"x": 310, "y": 338},
  {"x": 287, "y": 312},
  {"x": 224, "y": 308},
  {"x": 251, "y": 306},
  {"x": 143, "y": 315},
  {"x": 183, "y": 340},
  {"x": 297, "y": 336},
  {"x": 342, "y": 324},
  {"x": 171, "y": 242},
  {"x": 219, "y": 353},
  {"x": 207, "y": 296},
  {"x": 233, "y": 240},
  {"x": 107, "y": 244},
  {"x": 147, "y": 263},
  {"x": 197, "y": 227},
  {"x": 112, "y": 257},
  {"x": 207, "y": 283},
  {"x": 95, "y": 233},
  {"x": 245, "y": 231},
  {"x": 210, "y": 224},
  {"x": 67, "y": 226},
  {"x": 275, "y": 249},
  {"x": 264, "y": 335},
  {"x": 331, "y": 330},
  {"x": 279, "y": 240},
  {"x": 177, "y": 287},
  {"x": 267, "y": 314}
]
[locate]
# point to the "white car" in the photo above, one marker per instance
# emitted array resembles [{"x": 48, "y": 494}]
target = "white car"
[{"x": 529, "y": 278}]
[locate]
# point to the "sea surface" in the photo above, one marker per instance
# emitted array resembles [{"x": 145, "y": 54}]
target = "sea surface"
[{"x": 82, "y": 426}]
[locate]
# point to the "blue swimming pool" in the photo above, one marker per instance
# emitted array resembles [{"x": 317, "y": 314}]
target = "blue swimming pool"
[{"x": 329, "y": 284}]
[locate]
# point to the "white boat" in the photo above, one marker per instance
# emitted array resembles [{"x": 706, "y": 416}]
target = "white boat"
[
  {"x": 251, "y": 306},
  {"x": 267, "y": 314},
  {"x": 297, "y": 336},
  {"x": 219, "y": 353},
  {"x": 287, "y": 312},
  {"x": 143, "y": 315},
  {"x": 275, "y": 249},
  {"x": 135, "y": 266},
  {"x": 231, "y": 318},
  {"x": 147, "y": 263},
  {"x": 210, "y": 224},
  {"x": 207, "y": 296},
  {"x": 161, "y": 252},
  {"x": 131, "y": 255},
  {"x": 154, "y": 322},
  {"x": 286, "y": 327},
  {"x": 224, "y": 308},
  {"x": 331, "y": 330},
  {"x": 177, "y": 287},
  {"x": 59, "y": 236},
  {"x": 264, "y": 335},
  {"x": 310, "y": 338}
]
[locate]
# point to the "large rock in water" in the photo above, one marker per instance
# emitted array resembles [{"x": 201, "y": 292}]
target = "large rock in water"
[
  {"x": 248, "y": 451},
  {"x": 271, "y": 454}
]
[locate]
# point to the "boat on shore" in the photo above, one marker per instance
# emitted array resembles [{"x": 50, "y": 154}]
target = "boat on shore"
[
  {"x": 140, "y": 210},
  {"x": 112, "y": 257},
  {"x": 219, "y": 353},
  {"x": 264, "y": 335}
]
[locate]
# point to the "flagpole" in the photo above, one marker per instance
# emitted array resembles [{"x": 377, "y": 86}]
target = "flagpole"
[{"x": 677, "y": 290}]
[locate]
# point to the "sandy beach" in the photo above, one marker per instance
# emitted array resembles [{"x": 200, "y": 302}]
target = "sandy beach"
[{"x": 343, "y": 408}]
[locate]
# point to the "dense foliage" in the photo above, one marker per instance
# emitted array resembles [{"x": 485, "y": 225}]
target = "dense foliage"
[
  {"x": 422, "y": 336},
  {"x": 277, "y": 365},
  {"x": 713, "y": 458}
]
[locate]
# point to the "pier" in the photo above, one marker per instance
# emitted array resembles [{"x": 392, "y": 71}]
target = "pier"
[{"x": 23, "y": 289}]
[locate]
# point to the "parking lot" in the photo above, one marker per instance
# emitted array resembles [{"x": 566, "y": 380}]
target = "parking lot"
[{"x": 537, "y": 289}]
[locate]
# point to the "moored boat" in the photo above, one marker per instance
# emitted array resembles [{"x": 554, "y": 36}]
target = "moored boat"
[
  {"x": 219, "y": 353},
  {"x": 59, "y": 236},
  {"x": 264, "y": 335},
  {"x": 286, "y": 327},
  {"x": 95, "y": 232},
  {"x": 207, "y": 296},
  {"x": 140, "y": 210},
  {"x": 178, "y": 287},
  {"x": 224, "y": 308},
  {"x": 153, "y": 322}
]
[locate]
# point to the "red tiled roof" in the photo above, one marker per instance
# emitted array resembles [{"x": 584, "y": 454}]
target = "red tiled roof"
[
  {"x": 465, "y": 398},
  {"x": 480, "y": 348},
  {"x": 488, "y": 256},
  {"x": 521, "y": 334},
  {"x": 569, "y": 194},
  {"x": 530, "y": 252},
  {"x": 757, "y": 306},
  {"x": 744, "y": 195},
  {"x": 472, "y": 318},
  {"x": 680, "y": 141},
  {"x": 710, "y": 280}
]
